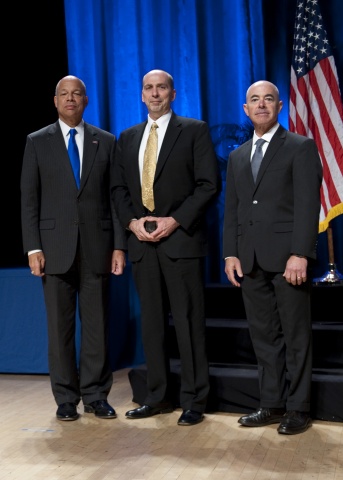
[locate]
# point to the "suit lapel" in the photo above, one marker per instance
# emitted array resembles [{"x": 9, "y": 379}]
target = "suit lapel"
[
  {"x": 172, "y": 133},
  {"x": 59, "y": 150},
  {"x": 133, "y": 153},
  {"x": 276, "y": 142},
  {"x": 244, "y": 161},
  {"x": 90, "y": 148}
]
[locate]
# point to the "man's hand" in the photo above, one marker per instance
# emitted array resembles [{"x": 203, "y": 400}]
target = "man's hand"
[
  {"x": 233, "y": 269},
  {"x": 118, "y": 262},
  {"x": 296, "y": 270},
  {"x": 37, "y": 264}
]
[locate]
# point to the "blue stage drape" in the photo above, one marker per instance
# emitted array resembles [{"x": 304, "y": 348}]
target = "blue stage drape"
[{"x": 214, "y": 49}]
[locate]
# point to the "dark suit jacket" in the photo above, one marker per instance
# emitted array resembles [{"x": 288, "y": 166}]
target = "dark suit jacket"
[
  {"x": 186, "y": 179},
  {"x": 280, "y": 214},
  {"x": 54, "y": 211}
]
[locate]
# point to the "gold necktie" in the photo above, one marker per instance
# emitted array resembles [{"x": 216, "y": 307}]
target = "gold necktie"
[{"x": 149, "y": 167}]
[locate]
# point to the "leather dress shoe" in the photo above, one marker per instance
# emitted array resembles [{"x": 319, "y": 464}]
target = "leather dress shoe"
[
  {"x": 67, "y": 412},
  {"x": 146, "y": 411},
  {"x": 101, "y": 409},
  {"x": 262, "y": 417},
  {"x": 190, "y": 417},
  {"x": 294, "y": 422}
]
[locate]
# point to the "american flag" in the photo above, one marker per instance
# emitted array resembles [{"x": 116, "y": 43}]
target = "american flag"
[{"x": 315, "y": 108}]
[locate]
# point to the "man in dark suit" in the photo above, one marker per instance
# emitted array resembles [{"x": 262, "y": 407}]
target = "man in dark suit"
[
  {"x": 269, "y": 241},
  {"x": 167, "y": 260},
  {"x": 74, "y": 241}
]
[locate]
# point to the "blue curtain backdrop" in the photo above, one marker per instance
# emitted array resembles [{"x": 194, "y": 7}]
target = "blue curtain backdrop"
[{"x": 214, "y": 49}]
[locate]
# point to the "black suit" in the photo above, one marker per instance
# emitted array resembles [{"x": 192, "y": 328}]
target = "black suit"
[
  {"x": 170, "y": 273},
  {"x": 264, "y": 224},
  {"x": 77, "y": 230}
]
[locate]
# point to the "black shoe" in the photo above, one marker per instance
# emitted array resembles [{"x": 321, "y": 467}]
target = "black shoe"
[
  {"x": 190, "y": 417},
  {"x": 67, "y": 412},
  {"x": 294, "y": 422},
  {"x": 262, "y": 417},
  {"x": 101, "y": 409},
  {"x": 145, "y": 411}
]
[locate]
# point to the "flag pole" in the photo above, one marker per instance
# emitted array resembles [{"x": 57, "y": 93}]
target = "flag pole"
[{"x": 332, "y": 276}]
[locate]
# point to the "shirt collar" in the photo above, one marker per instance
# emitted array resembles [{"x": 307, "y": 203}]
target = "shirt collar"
[
  {"x": 160, "y": 121},
  {"x": 267, "y": 136},
  {"x": 65, "y": 128}
]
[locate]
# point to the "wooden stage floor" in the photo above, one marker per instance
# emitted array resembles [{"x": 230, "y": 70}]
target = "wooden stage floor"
[{"x": 35, "y": 445}]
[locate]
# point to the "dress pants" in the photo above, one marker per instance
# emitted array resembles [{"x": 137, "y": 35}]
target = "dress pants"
[
  {"x": 279, "y": 319},
  {"x": 173, "y": 285},
  {"x": 91, "y": 377}
]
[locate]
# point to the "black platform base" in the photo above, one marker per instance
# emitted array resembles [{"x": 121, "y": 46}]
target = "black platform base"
[
  {"x": 234, "y": 389},
  {"x": 233, "y": 365}
]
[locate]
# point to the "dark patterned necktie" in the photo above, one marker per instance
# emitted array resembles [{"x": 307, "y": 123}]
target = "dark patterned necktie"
[
  {"x": 149, "y": 167},
  {"x": 73, "y": 153},
  {"x": 257, "y": 158}
]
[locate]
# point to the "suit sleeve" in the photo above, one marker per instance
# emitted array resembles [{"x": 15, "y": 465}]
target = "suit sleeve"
[
  {"x": 307, "y": 178},
  {"x": 206, "y": 180},
  {"x": 30, "y": 192}
]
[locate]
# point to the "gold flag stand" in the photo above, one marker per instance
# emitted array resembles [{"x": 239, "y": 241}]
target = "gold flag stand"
[{"x": 332, "y": 276}]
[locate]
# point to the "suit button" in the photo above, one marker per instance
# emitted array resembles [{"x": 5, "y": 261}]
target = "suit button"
[{"x": 255, "y": 202}]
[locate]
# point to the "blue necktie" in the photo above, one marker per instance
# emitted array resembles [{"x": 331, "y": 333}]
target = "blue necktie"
[
  {"x": 73, "y": 153},
  {"x": 257, "y": 158}
]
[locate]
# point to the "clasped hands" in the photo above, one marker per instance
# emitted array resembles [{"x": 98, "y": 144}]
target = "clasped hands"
[{"x": 164, "y": 227}]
